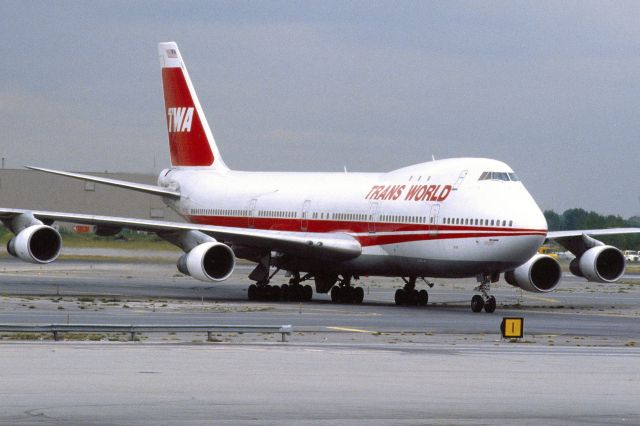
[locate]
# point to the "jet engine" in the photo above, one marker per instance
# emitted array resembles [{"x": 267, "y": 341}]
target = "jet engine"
[
  {"x": 540, "y": 274},
  {"x": 210, "y": 261},
  {"x": 36, "y": 244},
  {"x": 603, "y": 264}
]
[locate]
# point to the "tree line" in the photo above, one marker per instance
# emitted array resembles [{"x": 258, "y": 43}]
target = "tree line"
[{"x": 581, "y": 219}]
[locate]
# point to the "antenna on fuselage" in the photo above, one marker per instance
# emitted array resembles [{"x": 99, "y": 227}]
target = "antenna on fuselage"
[
  {"x": 433, "y": 157},
  {"x": 345, "y": 169}
]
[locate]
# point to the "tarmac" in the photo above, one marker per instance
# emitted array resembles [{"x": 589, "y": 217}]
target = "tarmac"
[{"x": 374, "y": 363}]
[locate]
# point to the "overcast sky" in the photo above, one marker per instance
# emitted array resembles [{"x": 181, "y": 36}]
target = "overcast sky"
[{"x": 551, "y": 88}]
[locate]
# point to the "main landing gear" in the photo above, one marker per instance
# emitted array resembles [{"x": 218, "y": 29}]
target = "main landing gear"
[
  {"x": 409, "y": 296},
  {"x": 294, "y": 291},
  {"x": 343, "y": 292},
  {"x": 484, "y": 301},
  {"x": 261, "y": 290}
]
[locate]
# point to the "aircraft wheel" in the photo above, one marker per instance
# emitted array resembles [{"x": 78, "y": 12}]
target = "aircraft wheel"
[
  {"x": 477, "y": 303},
  {"x": 423, "y": 298},
  {"x": 413, "y": 298},
  {"x": 490, "y": 305},
  {"x": 307, "y": 293},
  {"x": 400, "y": 298},
  {"x": 335, "y": 294},
  {"x": 284, "y": 292},
  {"x": 274, "y": 293},
  {"x": 295, "y": 293},
  {"x": 252, "y": 292},
  {"x": 358, "y": 295},
  {"x": 347, "y": 294}
]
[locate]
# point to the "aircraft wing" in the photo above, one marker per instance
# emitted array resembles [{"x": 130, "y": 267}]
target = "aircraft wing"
[
  {"x": 579, "y": 241},
  {"x": 554, "y": 235},
  {"x": 141, "y": 187},
  {"x": 335, "y": 246}
]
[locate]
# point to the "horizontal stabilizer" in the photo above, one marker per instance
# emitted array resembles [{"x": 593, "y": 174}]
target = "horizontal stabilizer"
[{"x": 141, "y": 187}]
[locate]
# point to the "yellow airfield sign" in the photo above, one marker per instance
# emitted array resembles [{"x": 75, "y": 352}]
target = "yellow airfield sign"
[{"x": 512, "y": 328}]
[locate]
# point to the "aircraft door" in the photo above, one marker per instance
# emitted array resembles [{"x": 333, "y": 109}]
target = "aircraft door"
[
  {"x": 463, "y": 174},
  {"x": 373, "y": 217},
  {"x": 304, "y": 219},
  {"x": 433, "y": 219},
  {"x": 252, "y": 213}
]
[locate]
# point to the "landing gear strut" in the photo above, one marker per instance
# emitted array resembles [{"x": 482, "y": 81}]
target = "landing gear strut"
[
  {"x": 485, "y": 300},
  {"x": 409, "y": 296},
  {"x": 343, "y": 292}
]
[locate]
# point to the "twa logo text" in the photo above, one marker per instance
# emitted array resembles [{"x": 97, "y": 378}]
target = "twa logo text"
[{"x": 179, "y": 119}]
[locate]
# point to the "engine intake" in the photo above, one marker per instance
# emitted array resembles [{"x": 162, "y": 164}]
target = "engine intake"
[
  {"x": 36, "y": 244},
  {"x": 541, "y": 274},
  {"x": 603, "y": 264},
  {"x": 212, "y": 261}
]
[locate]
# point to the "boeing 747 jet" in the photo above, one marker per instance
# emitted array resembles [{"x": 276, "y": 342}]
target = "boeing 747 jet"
[{"x": 453, "y": 218}]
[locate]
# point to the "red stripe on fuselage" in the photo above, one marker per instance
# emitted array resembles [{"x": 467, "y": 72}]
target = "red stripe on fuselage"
[{"x": 422, "y": 232}]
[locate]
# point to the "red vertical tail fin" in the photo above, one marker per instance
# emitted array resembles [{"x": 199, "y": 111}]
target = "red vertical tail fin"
[{"x": 190, "y": 139}]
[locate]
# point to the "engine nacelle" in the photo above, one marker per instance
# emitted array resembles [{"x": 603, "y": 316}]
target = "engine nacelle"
[
  {"x": 212, "y": 261},
  {"x": 603, "y": 264},
  {"x": 36, "y": 244},
  {"x": 541, "y": 274}
]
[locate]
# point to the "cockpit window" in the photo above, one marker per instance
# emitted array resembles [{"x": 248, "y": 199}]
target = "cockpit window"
[{"x": 503, "y": 176}]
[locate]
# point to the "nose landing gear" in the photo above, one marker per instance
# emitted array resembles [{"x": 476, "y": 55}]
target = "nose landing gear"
[{"x": 484, "y": 301}]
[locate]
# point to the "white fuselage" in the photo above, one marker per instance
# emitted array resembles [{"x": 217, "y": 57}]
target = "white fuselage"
[{"x": 445, "y": 218}]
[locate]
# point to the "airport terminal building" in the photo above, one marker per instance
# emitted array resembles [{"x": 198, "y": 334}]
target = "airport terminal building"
[{"x": 27, "y": 189}]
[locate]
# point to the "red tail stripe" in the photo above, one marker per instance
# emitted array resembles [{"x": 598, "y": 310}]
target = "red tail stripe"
[{"x": 188, "y": 148}]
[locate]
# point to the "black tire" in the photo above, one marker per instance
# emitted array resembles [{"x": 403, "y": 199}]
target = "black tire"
[
  {"x": 274, "y": 293},
  {"x": 490, "y": 305},
  {"x": 308, "y": 293},
  {"x": 400, "y": 297},
  {"x": 477, "y": 303},
  {"x": 335, "y": 294},
  {"x": 284, "y": 292},
  {"x": 252, "y": 292},
  {"x": 423, "y": 298},
  {"x": 358, "y": 295},
  {"x": 347, "y": 294},
  {"x": 295, "y": 293},
  {"x": 413, "y": 298}
]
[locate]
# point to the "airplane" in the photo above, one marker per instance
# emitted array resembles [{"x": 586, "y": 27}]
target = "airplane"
[{"x": 451, "y": 218}]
